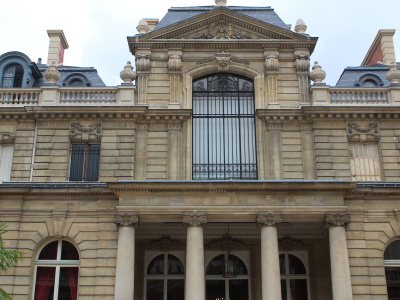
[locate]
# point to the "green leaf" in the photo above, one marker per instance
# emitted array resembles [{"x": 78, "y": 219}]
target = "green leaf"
[
  {"x": 8, "y": 258},
  {"x": 4, "y": 295}
]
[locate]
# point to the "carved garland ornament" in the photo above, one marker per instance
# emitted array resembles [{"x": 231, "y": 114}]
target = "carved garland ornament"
[
  {"x": 358, "y": 133},
  {"x": 270, "y": 219},
  {"x": 223, "y": 58},
  {"x": 126, "y": 220},
  {"x": 338, "y": 219},
  {"x": 195, "y": 220},
  {"x": 85, "y": 130},
  {"x": 221, "y": 31}
]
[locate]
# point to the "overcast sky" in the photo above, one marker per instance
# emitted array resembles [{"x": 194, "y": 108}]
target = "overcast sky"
[{"x": 96, "y": 30}]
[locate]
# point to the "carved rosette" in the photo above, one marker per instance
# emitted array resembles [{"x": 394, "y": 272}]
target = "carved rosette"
[
  {"x": 300, "y": 26},
  {"x": 337, "y": 219},
  {"x": 302, "y": 63},
  {"x": 270, "y": 219},
  {"x": 317, "y": 74},
  {"x": 393, "y": 74},
  {"x": 143, "y": 63},
  {"x": 127, "y": 74},
  {"x": 126, "y": 220},
  {"x": 195, "y": 220},
  {"x": 175, "y": 63},
  {"x": 84, "y": 132},
  {"x": 52, "y": 74},
  {"x": 271, "y": 64}
]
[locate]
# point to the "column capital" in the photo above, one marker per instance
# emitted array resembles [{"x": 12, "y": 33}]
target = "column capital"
[
  {"x": 126, "y": 220},
  {"x": 337, "y": 219},
  {"x": 195, "y": 220},
  {"x": 270, "y": 219}
]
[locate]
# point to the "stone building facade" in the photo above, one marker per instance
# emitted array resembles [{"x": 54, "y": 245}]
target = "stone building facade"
[{"x": 221, "y": 172}]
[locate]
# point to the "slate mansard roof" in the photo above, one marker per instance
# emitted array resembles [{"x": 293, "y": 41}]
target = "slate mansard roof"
[
  {"x": 67, "y": 72},
  {"x": 177, "y": 14},
  {"x": 353, "y": 76}
]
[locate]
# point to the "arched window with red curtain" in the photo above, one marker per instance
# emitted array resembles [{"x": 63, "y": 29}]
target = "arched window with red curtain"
[{"x": 57, "y": 271}]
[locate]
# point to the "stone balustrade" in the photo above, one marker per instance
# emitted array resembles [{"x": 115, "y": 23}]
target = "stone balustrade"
[
  {"x": 327, "y": 95},
  {"x": 60, "y": 96},
  {"x": 19, "y": 97}
]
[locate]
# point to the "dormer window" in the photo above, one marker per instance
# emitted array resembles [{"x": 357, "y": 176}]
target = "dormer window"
[
  {"x": 369, "y": 83},
  {"x": 76, "y": 83},
  {"x": 12, "y": 77}
]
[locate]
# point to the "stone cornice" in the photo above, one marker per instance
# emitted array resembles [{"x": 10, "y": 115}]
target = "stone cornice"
[
  {"x": 178, "y": 186},
  {"x": 67, "y": 113}
]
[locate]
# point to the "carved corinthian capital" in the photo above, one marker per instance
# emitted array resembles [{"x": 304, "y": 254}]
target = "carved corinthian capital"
[
  {"x": 337, "y": 219},
  {"x": 270, "y": 219},
  {"x": 126, "y": 220},
  {"x": 195, "y": 220}
]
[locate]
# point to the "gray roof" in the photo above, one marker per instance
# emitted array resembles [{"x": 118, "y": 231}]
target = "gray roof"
[
  {"x": 177, "y": 14},
  {"x": 352, "y": 76},
  {"x": 88, "y": 73}
]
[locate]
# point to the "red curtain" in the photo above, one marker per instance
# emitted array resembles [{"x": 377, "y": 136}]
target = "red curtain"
[
  {"x": 44, "y": 282},
  {"x": 73, "y": 282}
]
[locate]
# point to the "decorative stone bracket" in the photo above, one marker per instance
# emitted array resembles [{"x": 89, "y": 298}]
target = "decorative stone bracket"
[
  {"x": 59, "y": 216},
  {"x": 175, "y": 68},
  {"x": 89, "y": 132},
  {"x": 143, "y": 66},
  {"x": 362, "y": 133},
  {"x": 272, "y": 70},
  {"x": 302, "y": 65}
]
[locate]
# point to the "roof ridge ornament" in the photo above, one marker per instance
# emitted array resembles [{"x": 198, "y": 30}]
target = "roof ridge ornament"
[
  {"x": 300, "y": 26},
  {"x": 220, "y": 2}
]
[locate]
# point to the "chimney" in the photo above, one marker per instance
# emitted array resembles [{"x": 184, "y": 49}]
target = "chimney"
[
  {"x": 382, "y": 49},
  {"x": 57, "y": 44}
]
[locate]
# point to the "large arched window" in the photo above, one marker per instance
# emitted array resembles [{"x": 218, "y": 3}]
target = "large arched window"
[
  {"x": 392, "y": 270},
  {"x": 294, "y": 277},
  {"x": 165, "y": 278},
  {"x": 218, "y": 287},
  {"x": 12, "y": 77},
  {"x": 56, "y": 272},
  {"x": 224, "y": 144}
]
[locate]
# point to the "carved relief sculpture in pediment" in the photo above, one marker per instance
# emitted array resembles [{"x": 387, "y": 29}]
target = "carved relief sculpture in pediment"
[
  {"x": 362, "y": 132},
  {"x": 221, "y": 30},
  {"x": 85, "y": 132}
]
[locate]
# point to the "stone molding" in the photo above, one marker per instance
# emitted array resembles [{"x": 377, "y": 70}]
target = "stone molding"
[
  {"x": 337, "y": 219},
  {"x": 288, "y": 244},
  {"x": 362, "y": 133},
  {"x": 195, "y": 220},
  {"x": 270, "y": 219},
  {"x": 126, "y": 220},
  {"x": 87, "y": 132}
]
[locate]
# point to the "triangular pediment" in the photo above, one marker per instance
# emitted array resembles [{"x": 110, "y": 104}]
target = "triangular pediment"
[{"x": 222, "y": 24}]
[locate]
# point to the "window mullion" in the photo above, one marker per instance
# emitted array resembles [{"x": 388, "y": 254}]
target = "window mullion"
[{"x": 56, "y": 282}]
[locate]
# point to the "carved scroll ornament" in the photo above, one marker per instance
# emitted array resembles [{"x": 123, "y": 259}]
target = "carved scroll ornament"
[
  {"x": 195, "y": 220},
  {"x": 337, "y": 219},
  {"x": 270, "y": 219},
  {"x": 85, "y": 132}
]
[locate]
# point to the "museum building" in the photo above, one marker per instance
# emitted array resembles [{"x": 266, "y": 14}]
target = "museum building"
[{"x": 222, "y": 167}]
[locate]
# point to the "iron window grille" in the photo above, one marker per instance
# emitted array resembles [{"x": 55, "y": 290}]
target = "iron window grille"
[
  {"x": 224, "y": 145},
  {"x": 13, "y": 76},
  {"x": 85, "y": 161}
]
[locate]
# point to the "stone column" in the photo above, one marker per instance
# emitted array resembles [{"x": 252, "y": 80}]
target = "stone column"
[
  {"x": 270, "y": 271},
  {"x": 340, "y": 267},
  {"x": 124, "y": 278},
  {"x": 195, "y": 281}
]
